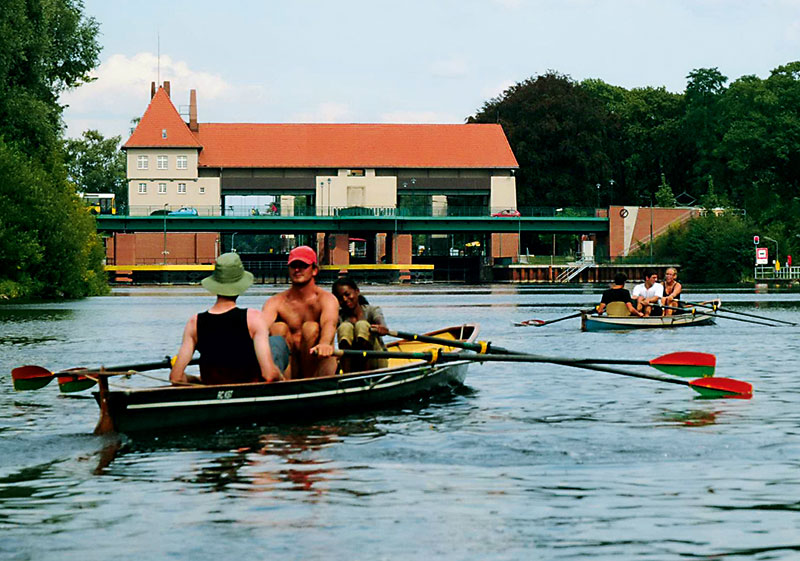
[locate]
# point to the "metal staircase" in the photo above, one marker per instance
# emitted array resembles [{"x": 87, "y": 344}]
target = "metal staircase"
[{"x": 574, "y": 269}]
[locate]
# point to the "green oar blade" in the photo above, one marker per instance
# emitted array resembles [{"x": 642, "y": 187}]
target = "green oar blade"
[
  {"x": 686, "y": 364},
  {"x": 722, "y": 387},
  {"x": 30, "y": 377},
  {"x": 75, "y": 382}
]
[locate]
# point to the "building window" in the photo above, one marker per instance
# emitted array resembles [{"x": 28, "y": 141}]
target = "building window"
[
  {"x": 163, "y": 133},
  {"x": 355, "y": 173},
  {"x": 202, "y": 190},
  {"x": 181, "y": 188},
  {"x": 162, "y": 188},
  {"x": 162, "y": 162},
  {"x": 141, "y": 162},
  {"x": 142, "y": 188},
  {"x": 182, "y": 162}
]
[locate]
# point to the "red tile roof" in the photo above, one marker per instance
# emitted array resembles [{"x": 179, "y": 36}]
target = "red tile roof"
[
  {"x": 161, "y": 115},
  {"x": 354, "y": 146},
  {"x": 325, "y": 145}
]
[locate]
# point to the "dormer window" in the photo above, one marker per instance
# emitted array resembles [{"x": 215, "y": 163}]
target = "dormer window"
[{"x": 164, "y": 133}]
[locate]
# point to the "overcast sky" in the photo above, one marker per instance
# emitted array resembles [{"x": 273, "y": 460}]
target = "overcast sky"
[{"x": 409, "y": 61}]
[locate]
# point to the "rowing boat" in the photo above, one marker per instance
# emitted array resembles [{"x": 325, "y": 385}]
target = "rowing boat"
[
  {"x": 687, "y": 317},
  {"x": 134, "y": 410}
]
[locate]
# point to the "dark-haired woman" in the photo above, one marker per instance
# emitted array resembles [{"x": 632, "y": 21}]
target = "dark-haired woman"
[{"x": 360, "y": 326}]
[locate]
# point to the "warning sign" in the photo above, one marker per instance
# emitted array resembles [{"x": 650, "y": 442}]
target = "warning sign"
[{"x": 762, "y": 256}]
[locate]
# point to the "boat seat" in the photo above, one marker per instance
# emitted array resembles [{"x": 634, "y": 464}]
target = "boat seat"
[{"x": 617, "y": 310}]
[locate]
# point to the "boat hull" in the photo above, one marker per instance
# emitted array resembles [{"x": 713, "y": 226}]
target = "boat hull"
[
  {"x": 167, "y": 407},
  {"x": 604, "y": 323}
]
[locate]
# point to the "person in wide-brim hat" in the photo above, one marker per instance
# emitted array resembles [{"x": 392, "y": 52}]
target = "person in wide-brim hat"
[
  {"x": 229, "y": 278},
  {"x": 233, "y": 342}
]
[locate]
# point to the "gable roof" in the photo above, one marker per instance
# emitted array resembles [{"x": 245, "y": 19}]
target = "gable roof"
[
  {"x": 243, "y": 145},
  {"x": 354, "y": 146},
  {"x": 161, "y": 116}
]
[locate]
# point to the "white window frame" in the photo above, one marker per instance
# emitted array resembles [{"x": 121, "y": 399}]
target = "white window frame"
[
  {"x": 182, "y": 162},
  {"x": 181, "y": 188},
  {"x": 202, "y": 190},
  {"x": 162, "y": 162},
  {"x": 142, "y": 162},
  {"x": 142, "y": 188},
  {"x": 162, "y": 188}
]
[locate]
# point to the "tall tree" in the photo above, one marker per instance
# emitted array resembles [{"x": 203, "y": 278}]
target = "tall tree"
[
  {"x": 96, "y": 165},
  {"x": 557, "y": 131},
  {"x": 48, "y": 246}
]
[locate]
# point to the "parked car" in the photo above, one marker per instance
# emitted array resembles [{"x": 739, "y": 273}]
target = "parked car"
[
  {"x": 159, "y": 212},
  {"x": 184, "y": 211},
  {"x": 507, "y": 212}
]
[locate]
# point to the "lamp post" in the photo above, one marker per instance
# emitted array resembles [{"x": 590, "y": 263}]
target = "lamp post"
[
  {"x": 165, "y": 252},
  {"x": 233, "y": 240},
  {"x": 328, "y": 212},
  {"x": 777, "y": 257},
  {"x": 598, "y": 195},
  {"x": 321, "y": 197}
]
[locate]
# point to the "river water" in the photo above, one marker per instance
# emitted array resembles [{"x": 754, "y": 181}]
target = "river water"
[{"x": 526, "y": 462}]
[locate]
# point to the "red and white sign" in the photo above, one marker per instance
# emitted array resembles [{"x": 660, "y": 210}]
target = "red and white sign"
[{"x": 762, "y": 256}]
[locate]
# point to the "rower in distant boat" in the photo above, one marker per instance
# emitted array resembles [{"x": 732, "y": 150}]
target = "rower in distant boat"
[
  {"x": 648, "y": 294},
  {"x": 618, "y": 299},
  {"x": 672, "y": 291}
]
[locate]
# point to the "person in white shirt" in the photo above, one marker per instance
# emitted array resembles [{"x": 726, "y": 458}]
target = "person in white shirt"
[{"x": 648, "y": 294}]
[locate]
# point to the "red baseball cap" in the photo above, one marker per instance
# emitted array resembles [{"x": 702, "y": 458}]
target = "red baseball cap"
[{"x": 303, "y": 253}]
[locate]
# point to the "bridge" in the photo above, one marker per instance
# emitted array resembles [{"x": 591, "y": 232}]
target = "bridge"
[{"x": 334, "y": 224}]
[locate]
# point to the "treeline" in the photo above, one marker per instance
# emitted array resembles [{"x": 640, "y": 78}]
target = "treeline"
[
  {"x": 48, "y": 243},
  {"x": 718, "y": 145}
]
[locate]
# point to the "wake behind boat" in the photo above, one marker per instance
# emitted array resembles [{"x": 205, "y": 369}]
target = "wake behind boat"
[
  {"x": 682, "y": 318},
  {"x": 165, "y": 407}
]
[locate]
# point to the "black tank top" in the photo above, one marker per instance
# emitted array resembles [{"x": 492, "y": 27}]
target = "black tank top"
[
  {"x": 677, "y": 298},
  {"x": 226, "y": 349}
]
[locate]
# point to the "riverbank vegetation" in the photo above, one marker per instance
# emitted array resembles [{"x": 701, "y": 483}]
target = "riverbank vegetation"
[
  {"x": 48, "y": 244},
  {"x": 732, "y": 146}
]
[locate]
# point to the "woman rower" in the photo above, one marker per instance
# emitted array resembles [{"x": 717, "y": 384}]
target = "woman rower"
[
  {"x": 672, "y": 291},
  {"x": 360, "y": 325}
]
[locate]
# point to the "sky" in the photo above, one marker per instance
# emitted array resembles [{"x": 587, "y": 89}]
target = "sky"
[{"x": 409, "y": 61}]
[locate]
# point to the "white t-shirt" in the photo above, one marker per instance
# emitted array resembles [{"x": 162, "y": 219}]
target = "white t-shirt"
[{"x": 656, "y": 290}]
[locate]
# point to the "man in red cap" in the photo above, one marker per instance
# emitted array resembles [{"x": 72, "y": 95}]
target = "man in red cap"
[{"x": 306, "y": 316}]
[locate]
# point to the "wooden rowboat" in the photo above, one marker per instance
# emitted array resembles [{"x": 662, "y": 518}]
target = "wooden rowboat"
[
  {"x": 690, "y": 316},
  {"x": 165, "y": 407}
]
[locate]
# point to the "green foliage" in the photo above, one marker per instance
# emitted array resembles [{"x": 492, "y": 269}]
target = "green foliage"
[
  {"x": 48, "y": 243},
  {"x": 664, "y": 195},
  {"x": 96, "y": 165},
  {"x": 557, "y": 131},
  {"x": 710, "y": 249}
]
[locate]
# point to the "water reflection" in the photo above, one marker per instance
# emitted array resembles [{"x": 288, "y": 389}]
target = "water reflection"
[
  {"x": 21, "y": 315},
  {"x": 691, "y": 418}
]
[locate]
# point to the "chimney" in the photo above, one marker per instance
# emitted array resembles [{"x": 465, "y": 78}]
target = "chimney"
[
  {"x": 166, "y": 87},
  {"x": 152, "y": 90},
  {"x": 193, "y": 111}
]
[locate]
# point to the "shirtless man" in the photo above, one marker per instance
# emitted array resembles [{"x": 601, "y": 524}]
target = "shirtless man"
[{"x": 305, "y": 315}]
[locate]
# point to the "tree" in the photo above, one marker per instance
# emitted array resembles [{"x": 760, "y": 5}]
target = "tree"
[
  {"x": 664, "y": 195},
  {"x": 558, "y": 133},
  {"x": 96, "y": 165},
  {"x": 48, "y": 243}
]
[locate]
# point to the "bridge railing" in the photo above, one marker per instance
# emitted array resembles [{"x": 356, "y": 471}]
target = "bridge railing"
[{"x": 320, "y": 211}]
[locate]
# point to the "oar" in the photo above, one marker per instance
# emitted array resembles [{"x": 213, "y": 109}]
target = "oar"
[
  {"x": 687, "y": 364},
  {"x": 541, "y": 322},
  {"x": 718, "y": 315},
  {"x": 32, "y": 377},
  {"x": 727, "y": 311},
  {"x": 707, "y": 387}
]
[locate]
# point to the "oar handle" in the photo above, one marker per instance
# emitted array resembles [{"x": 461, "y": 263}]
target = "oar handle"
[{"x": 726, "y": 310}]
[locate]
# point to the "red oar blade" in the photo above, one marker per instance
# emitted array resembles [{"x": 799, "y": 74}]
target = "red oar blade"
[
  {"x": 74, "y": 382},
  {"x": 529, "y": 322},
  {"x": 686, "y": 364},
  {"x": 722, "y": 387},
  {"x": 30, "y": 377}
]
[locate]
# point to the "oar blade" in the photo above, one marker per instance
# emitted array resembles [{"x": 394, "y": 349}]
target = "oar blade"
[
  {"x": 30, "y": 377},
  {"x": 722, "y": 387},
  {"x": 76, "y": 382},
  {"x": 687, "y": 364}
]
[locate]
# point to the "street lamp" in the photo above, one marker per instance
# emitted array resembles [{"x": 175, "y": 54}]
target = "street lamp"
[
  {"x": 165, "y": 252},
  {"x": 329, "y": 198},
  {"x": 776, "y": 246},
  {"x": 321, "y": 197},
  {"x": 233, "y": 240},
  {"x": 598, "y": 195}
]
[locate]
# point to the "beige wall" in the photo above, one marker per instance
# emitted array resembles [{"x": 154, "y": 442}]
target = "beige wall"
[
  {"x": 207, "y": 203},
  {"x": 368, "y": 191},
  {"x": 503, "y": 193},
  {"x": 152, "y": 171}
]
